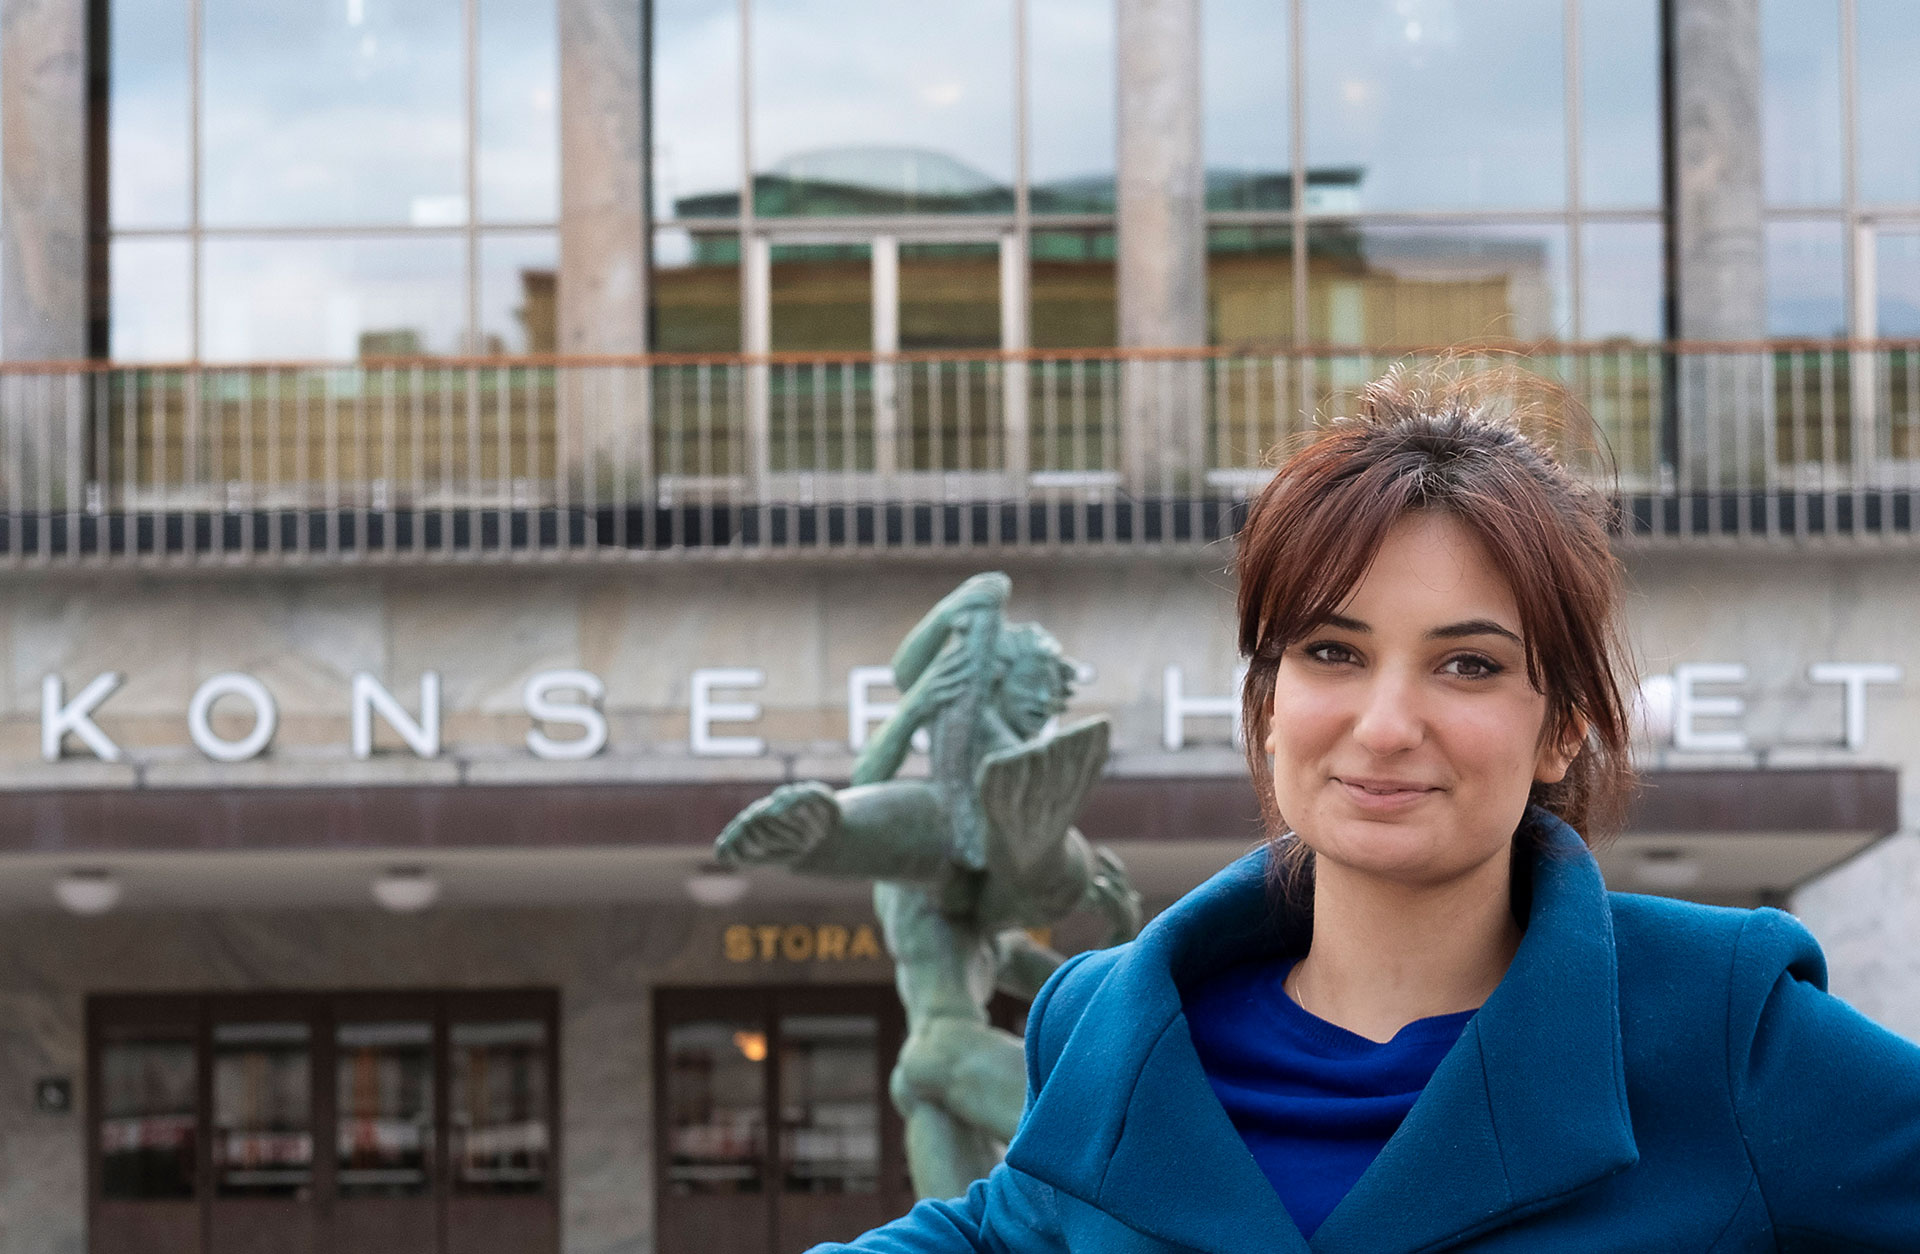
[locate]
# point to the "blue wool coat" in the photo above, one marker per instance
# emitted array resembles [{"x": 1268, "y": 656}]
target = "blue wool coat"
[{"x": 1649, "y": 1076}]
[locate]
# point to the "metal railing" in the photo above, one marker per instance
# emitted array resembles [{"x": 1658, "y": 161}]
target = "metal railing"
[{"x": 645, "y": 458}]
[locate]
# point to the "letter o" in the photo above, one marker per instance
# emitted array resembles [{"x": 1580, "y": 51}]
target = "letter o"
[{"x": 232, "y": 684}]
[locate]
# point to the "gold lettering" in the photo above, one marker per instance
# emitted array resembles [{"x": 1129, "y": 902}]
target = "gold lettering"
[
  {"x": 865, "y": 944},
  {"x": 796, "y": 943},
  {"x": 769, "y": 935},
  {"x": 1041, "y": 936},
  {"x": 738, "y": 943},
  {"x": 832, "y": 943}
]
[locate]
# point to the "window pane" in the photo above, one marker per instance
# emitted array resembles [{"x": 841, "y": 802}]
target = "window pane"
[
  {"x": 1806, "y": 280},
  {"x": 519, "y": 308},
  {"x": 1072, "y": 289},
  {"x": 518, "y": 154},
  {"x": 1889, "y": 101},
  {"x": 696, "y": 108},
  {"x": 262, "y": 1134},
  {"x": 716, "y": 1107},
  {"x": 1243, "y": 76},
  {"x": 1421, "y": 285},
  {"x": 949, "y": 296},
  {"x": 1438, "y": 103},
  {"x": 148, "y": 114},
  {"x": 364, "y": 124},
  {"x": 332, "y": 299},
  {"x": 1897, "y": 284},
  {"x": 1800, "y": 114},
  {"x": 1620, "y": 103},
  {"x": 822, "y": 298},
  {"x": 1070, "y": 54},
  {"x": 870, "y": 106},
  {"x": 829, "y": 1104},
  {"x": 1621, "y": 288},
  {"x": 500, "y": 1110},
  {"x": 696, "y": 292},
  {"x": 149, "y": 1091},
  {"x": 149, "y": 293},
  {"x": 1250, "y": 286},
  {"x": 385, "y": 1097}
]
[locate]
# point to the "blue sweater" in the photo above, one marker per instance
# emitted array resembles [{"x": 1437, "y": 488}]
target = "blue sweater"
[
  {"x": 1650, "y": 1075},
  {"x": 1314, "y": 1102}
]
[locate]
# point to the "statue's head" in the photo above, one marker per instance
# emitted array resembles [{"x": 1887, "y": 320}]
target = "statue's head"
[{"x": 1032, "y": 678}]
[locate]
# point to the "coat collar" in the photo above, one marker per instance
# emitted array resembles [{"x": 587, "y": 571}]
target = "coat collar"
[{"x": 1530, "y": 1106}]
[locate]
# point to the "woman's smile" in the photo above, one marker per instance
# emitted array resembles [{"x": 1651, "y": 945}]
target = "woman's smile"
[{"x": 1383, "y": 796}]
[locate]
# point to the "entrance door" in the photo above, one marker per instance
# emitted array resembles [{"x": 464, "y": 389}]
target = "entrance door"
[
  {"x": 774, "y": 1128},
  {"x": 381, "y": 1123}
]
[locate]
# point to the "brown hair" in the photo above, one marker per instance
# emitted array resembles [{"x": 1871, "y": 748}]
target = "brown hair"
[{"x": 1480, "y": 447}]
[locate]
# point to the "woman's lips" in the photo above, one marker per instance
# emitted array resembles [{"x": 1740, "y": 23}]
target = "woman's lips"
[{"x": 1380, "y": 796}]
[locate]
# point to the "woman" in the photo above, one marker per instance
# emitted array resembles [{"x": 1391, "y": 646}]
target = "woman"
[{"x": 1417, "y": 1020}]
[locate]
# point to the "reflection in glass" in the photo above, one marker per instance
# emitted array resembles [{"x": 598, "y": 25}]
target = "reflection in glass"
[
  {"x": 1453, "y": 104},
  {"x": 500, "y": 1110},
  {"x": 149, "y": 299},
  {"x": 1070, "y": 49},
  {"x": 696, "y": 292},
  {"x": 1421, "y": 285},
  {"x": 696, "y": 108},
  {"x": 822, "y": 298},
  {"x": 1071, "y": 286},
  {"x": 1622, "y": 292},
  {"x": 518, "y": 147},
  {"x": 148, "y": 1111},
  {"x": 716, "y": 1107},
  {"x": 1896, "y": 256},
  {"x": 1620, "y": 103},
  {"x": 1806, "y": 280},
  {"x": 1889, "y": 101},
  {"x": 262, "y": 1138},
  {"x": 870, "y": 106},
  {"x": 148, "y": 114},
  {"x": 1243, "y": 78},
  {"x": 1800, "y": 100},
  {"x": 519, "y": 285},
  {"x": 364, "y": 125},
  {"x": 334, "y": 299},
  {"x": 385, "y": 1099},
  {"x": 829, "y": 1104},
  {"x": 1250, "y": 286},
  {"x": 949, "y": 296}
]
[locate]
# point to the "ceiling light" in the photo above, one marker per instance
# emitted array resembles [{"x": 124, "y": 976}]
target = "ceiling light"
[
  {"x": 1667, "y": 870},
  {"x": 715, "y": 886},
  {"x": 90, "y": 891},
  {"x": 406, "y": 889}
]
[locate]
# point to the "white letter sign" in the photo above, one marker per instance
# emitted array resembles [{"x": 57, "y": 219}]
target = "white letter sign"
[
  {"x": 543, "y": 708},
  {"x": 705, "y": 712},
  {"x": 200, "y": 717},
  {"x": 1688, "y": 706},
  {"x": 1853, "y": 678},
  {"x": 423, "y": 737},
  {"x": 1176, "y": 707},
  {"x": 76, "y": 716}
]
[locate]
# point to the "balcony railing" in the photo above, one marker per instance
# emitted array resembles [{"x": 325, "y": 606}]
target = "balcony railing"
[{"x": 650, "y": 458}]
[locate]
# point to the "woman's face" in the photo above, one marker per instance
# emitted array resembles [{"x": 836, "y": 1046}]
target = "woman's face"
[{"x": 1406, "y": 735}]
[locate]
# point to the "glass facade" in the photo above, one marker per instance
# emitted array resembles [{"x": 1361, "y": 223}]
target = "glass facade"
[{"x": 394, "y": 188}]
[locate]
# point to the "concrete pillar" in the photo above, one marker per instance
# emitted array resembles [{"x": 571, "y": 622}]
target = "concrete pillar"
[
  {"x": 604, "y": 249},
  {"x": 1161, "y": 212},
  {"x": 1718, "y": 196},
  {"x": 43, "y": 199}
]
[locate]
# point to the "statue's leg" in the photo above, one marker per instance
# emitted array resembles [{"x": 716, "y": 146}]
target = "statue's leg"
[
  {"x": 975, "y": 1072},
  {"x": 893, "y": 831},
  {"x": 945, "y": 1154}
]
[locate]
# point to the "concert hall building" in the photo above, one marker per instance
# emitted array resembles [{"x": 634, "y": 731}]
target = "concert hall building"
[{"x": 456, "y": 453}]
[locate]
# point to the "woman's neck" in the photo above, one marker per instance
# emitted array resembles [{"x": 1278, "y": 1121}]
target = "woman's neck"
[{"x": 1385, "y": 954}]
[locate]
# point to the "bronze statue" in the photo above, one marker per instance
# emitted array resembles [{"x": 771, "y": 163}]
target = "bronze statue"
[{"x": 966, "y": 861}]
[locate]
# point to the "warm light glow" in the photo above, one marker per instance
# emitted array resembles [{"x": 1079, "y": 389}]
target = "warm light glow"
[{"x": 752, "y": 1045}]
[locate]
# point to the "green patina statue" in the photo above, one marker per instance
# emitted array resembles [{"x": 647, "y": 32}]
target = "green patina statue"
[{"x": 966, "y": 862}]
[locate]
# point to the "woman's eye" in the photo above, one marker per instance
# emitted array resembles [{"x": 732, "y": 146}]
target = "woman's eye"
[
  {"x": 1472, "y": 666},
  {"x": 1328, "y": 651}
]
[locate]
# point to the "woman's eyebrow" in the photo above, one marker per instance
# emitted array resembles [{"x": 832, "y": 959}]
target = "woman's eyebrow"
[{"x": 1473, "y": 627}]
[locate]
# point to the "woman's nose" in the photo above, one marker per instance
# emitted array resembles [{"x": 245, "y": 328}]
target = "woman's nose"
[{"x": 1389, "y": 719}]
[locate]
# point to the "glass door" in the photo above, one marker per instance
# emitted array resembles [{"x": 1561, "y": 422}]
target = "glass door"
[
  {"x": 261, "y": 1128},
  {"x": 386, "y": 1129}
]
